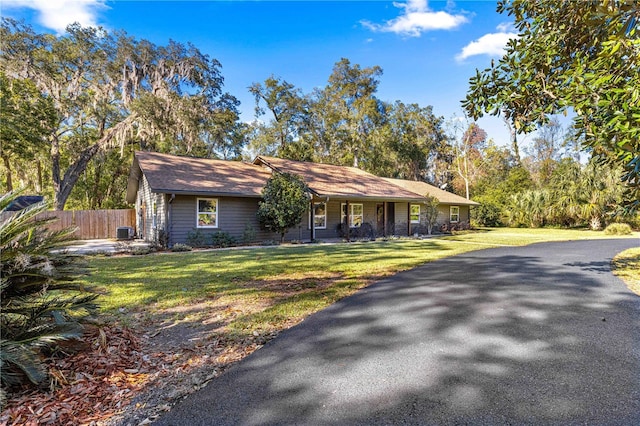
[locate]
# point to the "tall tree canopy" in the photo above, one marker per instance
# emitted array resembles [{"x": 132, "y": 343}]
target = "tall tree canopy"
[
  {"x": 28, "y": 118},
  {"x": 109, "y": 89},
  {"x": 583, "y": 55},
  {"x": 345, "y": 123},
  {"x": 287, "y": 109},
  {"x": 468, "y": 141}
]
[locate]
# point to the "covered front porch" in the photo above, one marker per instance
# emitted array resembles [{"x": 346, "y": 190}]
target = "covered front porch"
[{"x": 354, "y": 218}]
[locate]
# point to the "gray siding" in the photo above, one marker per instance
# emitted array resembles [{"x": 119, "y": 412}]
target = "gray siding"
[
  {"x": 334, "y": 218},
  {"x": 401, "y": 216},
  {"x": 149, "y": 221},
  {"x": 235, "y": 215},
  {"x": 444, "y": 214}
]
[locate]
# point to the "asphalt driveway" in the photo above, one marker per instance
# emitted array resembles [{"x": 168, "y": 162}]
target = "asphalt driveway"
[{"x": 543, "y": 334}]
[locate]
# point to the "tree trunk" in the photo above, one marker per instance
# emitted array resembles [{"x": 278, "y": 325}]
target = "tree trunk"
[
  {"x": 62, "y": 188},
  {"x": 466, "y": 187},
  {"x": 72, "y": 175},
  {"x": 514, "y": 140},
  {"x": 55, "y": 168},
  {"x": 7, "y": 165}
]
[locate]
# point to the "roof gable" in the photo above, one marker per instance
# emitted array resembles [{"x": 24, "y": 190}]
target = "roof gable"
[{"x": 187, "y": 175}]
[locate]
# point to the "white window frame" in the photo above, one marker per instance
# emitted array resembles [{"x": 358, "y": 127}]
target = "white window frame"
[
  {"x": 456, "y": 214},
  {"x": 214, "y": 214},
  {"x": 314, "y": 216},
  {"x": 411, "y": 213},
  {"x": 343, "y": 209}
]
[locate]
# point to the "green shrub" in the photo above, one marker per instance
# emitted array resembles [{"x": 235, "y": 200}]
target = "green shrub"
[
  {"x": 285, "y": 201},
  {"x": 197, "y": 238},
  {"x": 141, "y": 251},
  {"x": 181, "y": 247},
  {"x": 222, "y": 239},
  {"x": 486, "y": 214},
  {"x": 618, "y": 229},
  {"x": 40, "y": 301},
  {"x": 249, "y": 235}
]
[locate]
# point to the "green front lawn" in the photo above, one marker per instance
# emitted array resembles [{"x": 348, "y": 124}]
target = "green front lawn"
[{"x": 267, "y": 289}]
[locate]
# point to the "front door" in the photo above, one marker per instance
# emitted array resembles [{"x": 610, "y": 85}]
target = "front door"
[{"x": 391, "y": 218}]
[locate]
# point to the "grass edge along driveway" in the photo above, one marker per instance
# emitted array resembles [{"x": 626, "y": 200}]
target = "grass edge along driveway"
[
  {"x": 626, "y": 266},
  {"x": 262, "y": 291}
]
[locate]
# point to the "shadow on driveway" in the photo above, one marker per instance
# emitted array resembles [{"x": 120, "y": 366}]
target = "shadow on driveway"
[{"x": 543, "y": 334}]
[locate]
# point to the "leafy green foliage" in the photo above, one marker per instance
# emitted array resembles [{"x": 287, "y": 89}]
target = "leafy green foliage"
[
  {"x": 27, "y": 118},
  {"x": 41, "y": 301},
  {"x": 249, "y": 234},
  {"x": 429, "y": 212},
  {"x": 575, "y": 195},
  {"x": 222, "y": 239},
  {"x": 110, "y": 90},
  {"x": 285, "y": 200},
  {"x": 196, "y": 238},
  {"x": 571, "y": 55},
  {"x": 487, "y": 213}
]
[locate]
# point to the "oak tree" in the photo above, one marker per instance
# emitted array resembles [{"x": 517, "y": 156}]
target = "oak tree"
[{"x": 109, "y": 89}]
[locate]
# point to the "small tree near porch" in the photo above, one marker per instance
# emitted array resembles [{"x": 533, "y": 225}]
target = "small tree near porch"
[
  {"x": 430, "y": 212},
  {"x": 286, "y": 200}
]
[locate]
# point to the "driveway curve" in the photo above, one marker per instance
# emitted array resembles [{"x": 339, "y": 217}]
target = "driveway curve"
[{"x": 542, "y": 334}]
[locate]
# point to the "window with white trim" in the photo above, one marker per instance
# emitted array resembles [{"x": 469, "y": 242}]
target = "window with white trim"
[
  {"x": 319, "y": 216},
  {"x": 414, "y": 213},
  {"x": 207, "y": 213},
  {"x": 454, "y": 214},
  {"x": 356, "y": 215}
]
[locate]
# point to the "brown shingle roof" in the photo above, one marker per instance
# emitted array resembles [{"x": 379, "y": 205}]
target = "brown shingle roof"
[
  {"x": 423, "y": 188},
  {"x": 187, "y": 175},
  {"x": 340, "y": 181}
]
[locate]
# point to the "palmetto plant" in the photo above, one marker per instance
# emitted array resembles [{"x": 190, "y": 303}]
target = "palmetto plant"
[
  {"x": 601, "y": 193},
  {"x": 40, "y": 301},
  {"x": 529, "y": 208}
]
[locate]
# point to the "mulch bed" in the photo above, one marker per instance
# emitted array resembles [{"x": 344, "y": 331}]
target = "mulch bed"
[
  {"x": 86, "y": 387},
  {"x": 120, "y": 377}
]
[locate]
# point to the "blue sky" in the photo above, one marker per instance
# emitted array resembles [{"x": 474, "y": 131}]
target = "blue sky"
[{"x": 427, "y": 50}]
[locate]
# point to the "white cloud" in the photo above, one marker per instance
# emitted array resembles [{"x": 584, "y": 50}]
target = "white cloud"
[
  {"x": 57, "y": 14},
  {"x": 491, "y": 44},
  {"x": 416, "y": 19}
]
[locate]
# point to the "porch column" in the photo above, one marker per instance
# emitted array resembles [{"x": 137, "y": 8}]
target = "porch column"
[
  {"x": 346, "y": 219},
  {"x": 386, "y": 219},
  {"x": 312, "y": 219},
  {"x": 408, "y": 219}
]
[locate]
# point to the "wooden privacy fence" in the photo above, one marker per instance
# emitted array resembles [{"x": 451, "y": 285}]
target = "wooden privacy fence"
[{"x": 90, "y": 224}]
